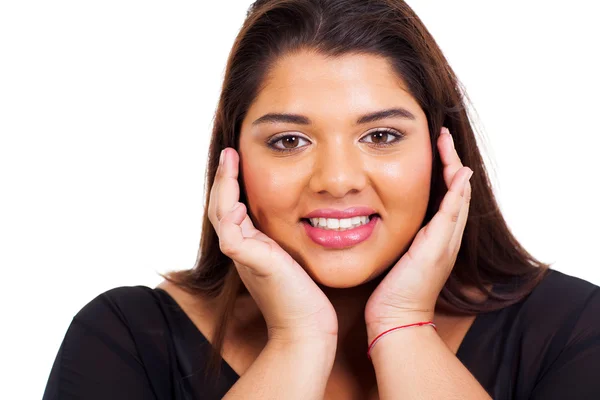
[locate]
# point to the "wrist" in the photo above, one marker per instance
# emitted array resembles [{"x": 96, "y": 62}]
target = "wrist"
[
  {"x": 325, "y": 343},
  {"x": 321, "y": 349},
  {"x": 294, "y": 336},
  {"x": 375, "y": 328},
  {"x": 403, "y": 341}
]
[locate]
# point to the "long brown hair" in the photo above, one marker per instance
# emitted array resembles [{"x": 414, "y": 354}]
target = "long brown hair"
[{"x": 489, "y": 253}]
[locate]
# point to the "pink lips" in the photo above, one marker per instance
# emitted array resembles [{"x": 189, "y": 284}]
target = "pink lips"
[{"x": 341, "y": 239}]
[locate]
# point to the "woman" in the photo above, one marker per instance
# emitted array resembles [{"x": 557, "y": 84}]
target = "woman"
[{"x": 349, "y": 210}]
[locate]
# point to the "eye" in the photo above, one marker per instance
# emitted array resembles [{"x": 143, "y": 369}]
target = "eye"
[
  {"x": 286, "y": 142},
  {"x": 383, "y": 137}
]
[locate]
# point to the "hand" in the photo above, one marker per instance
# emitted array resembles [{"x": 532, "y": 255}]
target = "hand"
[
  {"x": 410, "y": 290},
  {"x": 294, "y": 307}
]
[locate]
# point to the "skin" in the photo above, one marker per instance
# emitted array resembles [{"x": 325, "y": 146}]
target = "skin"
[
  {"x": 395, "y": 276},
  {"x": 332, "y": 164},
  {"x": 335, "y": 167}
]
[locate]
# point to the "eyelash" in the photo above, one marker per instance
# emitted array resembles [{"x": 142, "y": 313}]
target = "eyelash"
[{"x": 397, "y": 137}]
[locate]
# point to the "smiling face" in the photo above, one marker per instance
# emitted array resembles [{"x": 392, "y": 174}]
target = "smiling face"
[{"x": 330, "y": 156}]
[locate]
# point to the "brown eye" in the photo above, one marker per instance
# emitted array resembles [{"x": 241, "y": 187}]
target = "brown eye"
[
  {"x": 287, "y": 143},
  {"x": 382, "y": 137},
  {"x": 379, "y": 137},
  {"x": 290, "y": 142}
]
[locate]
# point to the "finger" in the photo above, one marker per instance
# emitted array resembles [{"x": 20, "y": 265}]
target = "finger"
[
  {"x": 457, "y": 236},
  {"x": 212, "y": 201},
  {"x": 246, "y": 251},
  {"x": 450, "y": 160},
  {"x": 226, "y": 184},
  {"x": 432, "y": 242},
  {"x": 228, "y": 191},
  {"x": 248, "y": 229}
]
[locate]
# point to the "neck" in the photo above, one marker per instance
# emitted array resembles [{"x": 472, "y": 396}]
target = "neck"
[{"x": 349, "y": 304}]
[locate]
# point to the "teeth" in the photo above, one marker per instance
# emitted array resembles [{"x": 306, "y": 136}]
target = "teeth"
[
  {"x": 345, "y": 223},
  {"x": 333, "y": 223},
  {"x": 339, "y": 224}
]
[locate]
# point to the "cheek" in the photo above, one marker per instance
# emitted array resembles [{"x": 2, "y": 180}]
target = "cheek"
[
  {"x": 272, "y": 193},
  {"x": 403, "y": 187},
  {"x": 404, "y": 182}
]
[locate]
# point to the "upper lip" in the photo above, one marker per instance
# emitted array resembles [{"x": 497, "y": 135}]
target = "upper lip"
[{"x": 340, "y": 214}]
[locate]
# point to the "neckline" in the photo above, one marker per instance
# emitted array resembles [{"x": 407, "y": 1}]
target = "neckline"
[
  {"x": 474, "y": 331},
  {"x": 465, "y": 344},
  {"x": 469, "y": 337},
  {"x": 191, "y": 327}
]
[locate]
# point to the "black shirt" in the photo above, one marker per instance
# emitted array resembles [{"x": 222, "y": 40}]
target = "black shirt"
[{"x": 136, "y": 343}]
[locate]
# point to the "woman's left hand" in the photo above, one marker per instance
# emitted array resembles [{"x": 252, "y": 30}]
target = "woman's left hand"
[{"x": 409, "y": 292}]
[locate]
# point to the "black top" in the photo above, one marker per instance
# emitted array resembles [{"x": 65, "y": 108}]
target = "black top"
[{"x": 136, "y": 343}]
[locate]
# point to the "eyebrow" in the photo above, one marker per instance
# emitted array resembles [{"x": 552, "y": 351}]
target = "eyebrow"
[{"x": 274, "y": 118}]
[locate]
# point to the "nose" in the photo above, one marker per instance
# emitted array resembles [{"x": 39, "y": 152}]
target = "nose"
[{"x": 338, "y": 171}]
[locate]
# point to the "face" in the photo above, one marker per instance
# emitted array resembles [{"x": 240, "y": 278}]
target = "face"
[{"x": 333, "y": 158}]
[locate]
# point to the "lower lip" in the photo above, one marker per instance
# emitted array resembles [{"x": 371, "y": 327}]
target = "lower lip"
[{"x": 340, "y": 239}]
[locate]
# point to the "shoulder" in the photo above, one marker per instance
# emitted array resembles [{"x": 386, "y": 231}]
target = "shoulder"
[
  {"x": 556, "y": 282},
  {"x": 559, "y": 318},
  {"x": 128, "y": 305},
  {"x": 130, "y": 320},
  {"x": 560, "y": 337},
  {"x": 121, "y": 296},
  {"x": 560, "y": 298},
  {"x": 116, "y": 347}
]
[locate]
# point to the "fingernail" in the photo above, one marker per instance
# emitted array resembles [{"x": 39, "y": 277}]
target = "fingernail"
[
  {"x": 221, "y": 157},
  {"x": 447, "y": 131},
  {"x": 466, "y": 184}
]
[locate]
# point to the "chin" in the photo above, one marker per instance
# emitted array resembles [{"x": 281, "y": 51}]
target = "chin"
[{"x": 341, "y": 274}]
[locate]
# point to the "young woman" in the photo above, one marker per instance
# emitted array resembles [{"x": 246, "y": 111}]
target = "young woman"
[{"x": 349, "y": 211}]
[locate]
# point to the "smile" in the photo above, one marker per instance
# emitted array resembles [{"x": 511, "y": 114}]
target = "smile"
[
  {"x": 340, "y": 233},
  {"x": 339, "y": 224}
]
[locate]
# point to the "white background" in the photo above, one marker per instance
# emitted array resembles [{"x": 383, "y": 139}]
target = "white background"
[{"x": 105, "y": 116}]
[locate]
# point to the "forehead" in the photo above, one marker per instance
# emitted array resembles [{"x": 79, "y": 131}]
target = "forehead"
[{"x": 335, "y": 87}]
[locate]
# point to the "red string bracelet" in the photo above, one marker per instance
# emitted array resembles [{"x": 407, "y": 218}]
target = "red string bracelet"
[{"x": 395, "y": 329}]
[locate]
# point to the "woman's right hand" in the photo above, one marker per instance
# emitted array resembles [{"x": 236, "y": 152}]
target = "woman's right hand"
[{"x": 295, "y": 309}]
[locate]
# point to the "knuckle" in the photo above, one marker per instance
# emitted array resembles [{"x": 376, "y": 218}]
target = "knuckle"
[
  {"x": 227, "y": 248},
  {"x": 454, "y": 216},
  {"x": 215, "y": 224},
  {"x": 467, "y": 196},
  {"x": 218, "y": 173},
  {"x": 211, "y": 215}
]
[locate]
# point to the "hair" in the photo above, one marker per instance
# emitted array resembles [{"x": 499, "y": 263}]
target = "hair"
[{"x": 489, "y": 253}]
